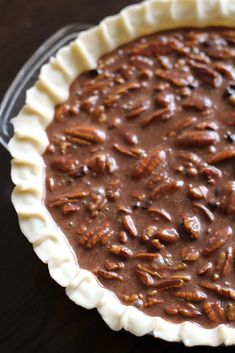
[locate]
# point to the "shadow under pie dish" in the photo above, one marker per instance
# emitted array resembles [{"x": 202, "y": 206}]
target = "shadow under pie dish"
[{"x": 123, "y": 160}]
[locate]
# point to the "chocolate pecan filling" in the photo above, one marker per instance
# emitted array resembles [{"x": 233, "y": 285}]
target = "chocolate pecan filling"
[{"x": 140, "y": 174}]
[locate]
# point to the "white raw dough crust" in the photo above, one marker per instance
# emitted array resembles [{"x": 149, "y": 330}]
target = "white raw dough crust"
[{"x": 30, "y": 141}]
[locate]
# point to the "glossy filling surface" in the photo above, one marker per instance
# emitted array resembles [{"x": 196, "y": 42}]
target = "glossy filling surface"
[{"x": 140, "y": 174}]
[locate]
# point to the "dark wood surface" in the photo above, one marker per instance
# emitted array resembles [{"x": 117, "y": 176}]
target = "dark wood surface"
[{"x": 35, "y": 314}]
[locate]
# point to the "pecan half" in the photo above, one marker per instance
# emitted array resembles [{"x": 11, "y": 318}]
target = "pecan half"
[
  {"x": 199, "y": 139},
  {"x": 145, "y": 166},
  {"x": 220, "y": 290},
  {"x": 86, "y": 133}
]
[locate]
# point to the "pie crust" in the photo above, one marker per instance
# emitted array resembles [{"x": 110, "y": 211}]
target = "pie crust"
[{"x": 30, "y": 141}]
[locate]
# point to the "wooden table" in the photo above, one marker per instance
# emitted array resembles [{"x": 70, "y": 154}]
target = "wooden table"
[{"x": 35, "y": 314}]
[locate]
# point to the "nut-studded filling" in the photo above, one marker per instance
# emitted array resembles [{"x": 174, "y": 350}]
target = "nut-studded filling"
[{"x": 140, "y": 174}]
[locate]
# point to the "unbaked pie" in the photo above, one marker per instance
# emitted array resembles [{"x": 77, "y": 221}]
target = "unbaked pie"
[{"x": 124, "y": 165}]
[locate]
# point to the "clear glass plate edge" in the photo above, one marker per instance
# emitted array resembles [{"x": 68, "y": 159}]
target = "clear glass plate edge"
[{"x": 14, "y": 98}]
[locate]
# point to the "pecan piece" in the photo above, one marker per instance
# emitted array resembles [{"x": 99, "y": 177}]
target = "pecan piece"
[
  {"x": 206, "y": 74},
  {"x": 97, "y": 163},
  {"x": 166, "y": 188},
  {"x": 79, "y": 171},
  {"x": 70, "y": 208},
  {"x": 113, "y": 190},
  {"x": 149, "y": 232},
  {"x": 198, "y": 192},
  {"x": 228, "y": 198},
  {"x": 205, "y": 211},
  {"x": 218, "y": 240},
  {"x": 96, "y": 87},
  {"x": 152, "y": 301},
  {"x": 148, "y": 270},
  {"x": 226, "y": 70},
  {"x": 63, "y": 165},
  {"x": 211, "y": 173},
  {"x": 145, "y": 166},
  {"x": 186, "y": 312},
  {"x": 125, "y": 151},
  {"x": 228, "y": 260},
  {"x": 223, "y": 262},
  {"x": 185, "y": 278},
  {"x": 121, "y": 251},
  {"x": 182, "y": 124},
  {"x": 207, "y": 125},
  {"x": 219, "y": 52},
  {"x": 145, "y": 278},
  {"x": 50, "y": 183},
  {"x": 138, "y": 110},
  {"x": 88, "y": 104},
  {"x": 177, "y": 77},
  {"x": 129, "y": 137},
  {"x": 145, "y": 255},
  {"x": 113, "y": 266},
  {"x": 231, "y": 312},
  {"x": 197, "y": 102},
  {"x": 194, "y": 295},
  {"x": 71, "y": 197},
  {"x": 168, "y": 283},
  {"x": 101, "y": 235},
  {"x": 64, "y": 146},
  {"x": 160, "y": 212},
  {"x": 192, "y": 226},
  {"x": 222, "y": 156},
  {"x": 168, "y": 235},
  {"x": 214, "y": 311},
  {"x": 129, "y": 225},
  {"x": 190, "y": 157},
  {"x": 129, "y": 298},
  {"x": 190, "y": 254},
  {"x": 171, "y": 310},
  {"x": 164, "y": 99},
  {"x": 107, "y": 274},
  {"x": 198, "y": 139},
  {"x": 61, "y": 111},
  {"x": 156, "y": 244},
  {"x": 123, "y": 89},
  {"x": 141, "y": 62},
  {"x": 163, "y": 113},
  {"x": 122, "y": 237},
  {"x": 204, "y": 268}
]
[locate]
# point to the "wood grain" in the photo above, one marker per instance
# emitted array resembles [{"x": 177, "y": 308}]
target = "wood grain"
[{"x": 35, "y": 314}]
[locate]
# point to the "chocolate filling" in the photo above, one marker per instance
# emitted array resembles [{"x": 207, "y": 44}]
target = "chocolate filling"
[{"x": 140, "y": 174}]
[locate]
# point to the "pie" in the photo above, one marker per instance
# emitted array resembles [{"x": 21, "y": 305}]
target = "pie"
[{"x": 124, "y": 170}]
